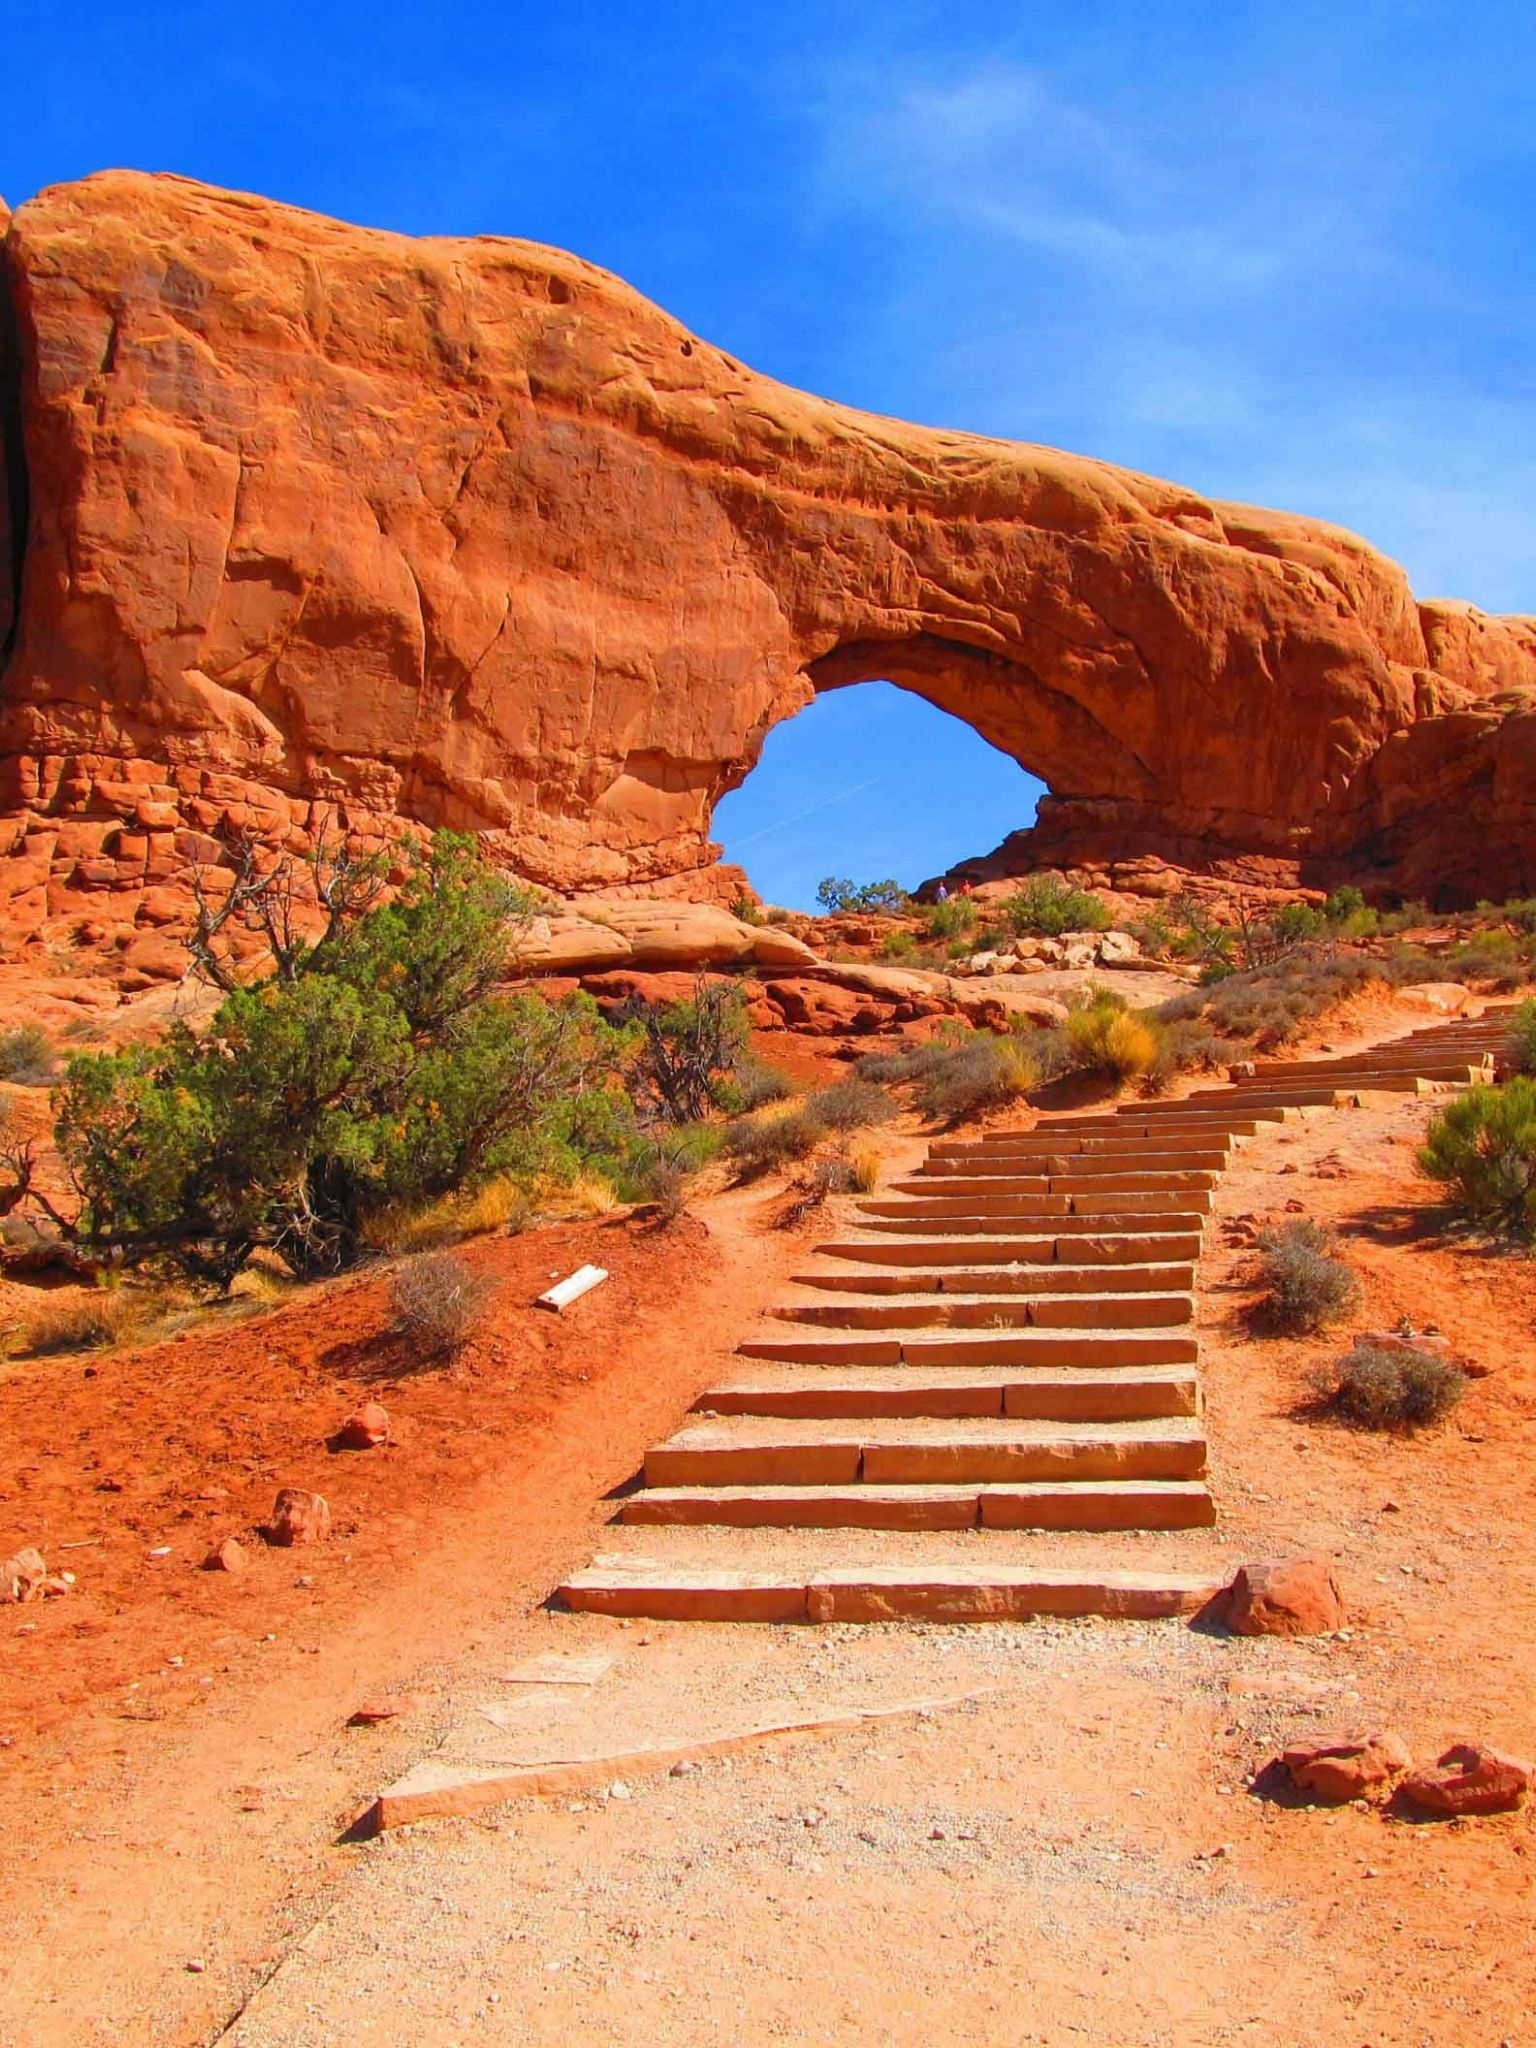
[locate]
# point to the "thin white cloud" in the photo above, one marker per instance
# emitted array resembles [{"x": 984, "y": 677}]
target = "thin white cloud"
[
  {"x": 1264, "y": 297},
  {"x": 838, "y": 796}
]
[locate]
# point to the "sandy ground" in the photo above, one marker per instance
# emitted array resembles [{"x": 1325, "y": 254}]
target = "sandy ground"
[{"x": 1073, "y": 1854}]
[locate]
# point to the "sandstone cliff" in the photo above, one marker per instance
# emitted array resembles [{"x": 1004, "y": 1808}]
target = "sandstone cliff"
[{"x": 468, "y": 532}]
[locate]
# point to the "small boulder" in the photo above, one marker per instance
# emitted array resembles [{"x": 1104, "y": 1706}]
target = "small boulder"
[
  {"x": 1336, "y": 1771},
  {"x": 299, "y": 1517},
  {"x": 365, "y": 1428},
  {"x": 228, "y": 1556},
  {"x": 1440, "y": 998},
  {"x": 1471, "y": 1778},
  {"x": 1284, "y": 1596}
]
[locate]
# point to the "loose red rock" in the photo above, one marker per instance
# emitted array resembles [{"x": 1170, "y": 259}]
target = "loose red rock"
[
  {"x": 1335, "y": 1770},
  {"x": 365, "y": 1428},
  {"x": 299, "y": 1517},
  {"x": 388, "y": 1707},
  {"x": 1284, "y": 1596},
  {"x": 1471, "y": 1778}
]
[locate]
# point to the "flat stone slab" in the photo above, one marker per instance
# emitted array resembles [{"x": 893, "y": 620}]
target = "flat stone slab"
[
  {"x": 559, "y": 1667},
  {"x": 438, "y": 1790}
]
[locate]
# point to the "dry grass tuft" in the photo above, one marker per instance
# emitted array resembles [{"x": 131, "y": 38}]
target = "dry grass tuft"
[
  {"x": 440, "y": 1303},
  {"x": 85, "y": 1322},
  {"x": 499, "y": 1204}
]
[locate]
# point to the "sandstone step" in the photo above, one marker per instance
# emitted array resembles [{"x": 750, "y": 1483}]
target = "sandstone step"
[
  {"x": 1158, "y": 1121},
  {"x": 954, "y": 1310},
  {"x": 1017, "y": 1160},
  {"x": 1044, "y": 1395},
  {"x": 753, "y": 1450},
  {"x": 1027, "y": 1197},
  {"x": 1107, "y": 1504},
  {"x": 937, "y": 1591},
  {"x": 1447, "y": 1065},
  {"x": 1110, "y": 1247},
  {"x": 1088, "y": 1213},
  {"x": 981, "y": 1347},
  {"x": 1130, "y": 1278},
  {"x": 1047, "y": 1143},
  {"x": 999, "y": 1178}
]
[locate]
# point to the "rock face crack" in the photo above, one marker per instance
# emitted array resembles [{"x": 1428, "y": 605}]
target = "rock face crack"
[{"x": 534, "y": 561}]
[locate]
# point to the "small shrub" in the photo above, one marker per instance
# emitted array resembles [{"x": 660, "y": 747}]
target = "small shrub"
[
  {"x": 27, "y": 1056},
  {"x": 1153, "y": 934},
  {"x": 1390, "y": 1389},
  {"x": 1349, "y": 916},
  {"x": 1294, "y": 923},
  {"x": 439, "y": 1303},
  {"x": 754, "y": 1084},
  {"x": 896, "y": 1069},
  {"x": 1306, "y": 1286},
  {"x": 688, "y": 1051},
  {"x": 898, "y": 945},
  {"x": 1044, "y": 907},
  {"x": 1103, "y": 1037},
  {"x": 984, "y": 1073},
  {"x": 657, "y": 1166},
  {"x": 759, "y": 1145},
  {"x": 1522, "y": 913},
  {"x": 664, "y": 1184},
  {"x": 82, "y": 1322},
  {"x": 832, "y": 1176},
  {"x": 1482, "y": 1149},
  {"x": 747, "y": 909},
  {"x": 1189, "y": 1047},
  {"x": 951, "y": 919},
  {"x": 852, "y": 1105}
]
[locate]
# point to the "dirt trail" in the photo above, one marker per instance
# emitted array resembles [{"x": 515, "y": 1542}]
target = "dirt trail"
[
  {"x": 176, "y": 1766},
  {"x": 1075, "y": 1855}
]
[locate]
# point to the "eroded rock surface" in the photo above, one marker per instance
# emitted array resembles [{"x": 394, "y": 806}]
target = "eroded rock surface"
[{"x": 327, "y": 522}]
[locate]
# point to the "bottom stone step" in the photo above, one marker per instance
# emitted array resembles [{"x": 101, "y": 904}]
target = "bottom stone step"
[{"x": 932, "y": 1591}]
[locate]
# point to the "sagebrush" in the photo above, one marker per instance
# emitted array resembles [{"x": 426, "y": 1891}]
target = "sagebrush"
[
  {"x": 1388, "y": 1388},
  {"x": 1306, "y": 1285}
]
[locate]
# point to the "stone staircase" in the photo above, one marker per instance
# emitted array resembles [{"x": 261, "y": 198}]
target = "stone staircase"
[{"x": 1001, "y": 1354}]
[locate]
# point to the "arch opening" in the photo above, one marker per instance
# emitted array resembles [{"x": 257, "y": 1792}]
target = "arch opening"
[{"x": 871, "y": 779}]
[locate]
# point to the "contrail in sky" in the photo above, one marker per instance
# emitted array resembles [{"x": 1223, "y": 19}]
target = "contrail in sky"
[{"x": 807, "y": 811}]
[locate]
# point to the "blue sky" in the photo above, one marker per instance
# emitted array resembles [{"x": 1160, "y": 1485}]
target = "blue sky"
[{"x": 1278, "y": 253}]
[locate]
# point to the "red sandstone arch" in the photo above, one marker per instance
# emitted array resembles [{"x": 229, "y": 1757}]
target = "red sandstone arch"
[{"x": 470, "y": 533}]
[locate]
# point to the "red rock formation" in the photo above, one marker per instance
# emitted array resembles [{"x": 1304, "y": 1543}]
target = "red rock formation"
[{"x": 468, "y": 532}]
